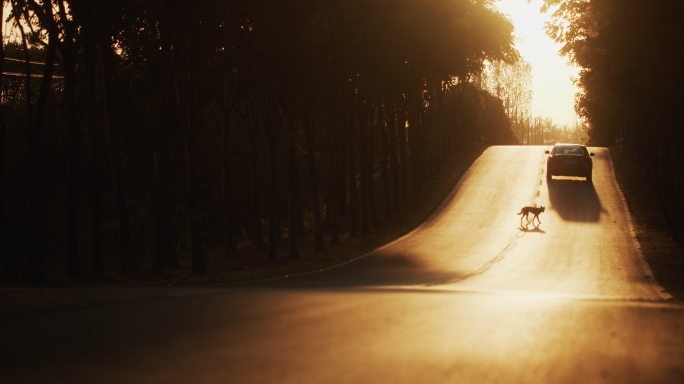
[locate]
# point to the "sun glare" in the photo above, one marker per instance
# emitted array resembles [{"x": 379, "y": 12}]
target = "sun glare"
[{"x": 553, "y": 89}]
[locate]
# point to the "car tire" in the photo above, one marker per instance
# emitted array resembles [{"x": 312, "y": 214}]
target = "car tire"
[
  {"x": 549, "y": 176},
  {"x": 589, "y": 178}
]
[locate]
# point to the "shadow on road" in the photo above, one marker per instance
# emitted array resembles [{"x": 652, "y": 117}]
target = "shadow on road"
[
  {"x": 535, "y": 228},
  {"x": 575, "y": 200},
  {"x": 386, "y": 268}
]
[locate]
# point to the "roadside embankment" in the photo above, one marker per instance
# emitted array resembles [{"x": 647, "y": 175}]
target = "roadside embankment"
[{"x": 664, "y": 256}]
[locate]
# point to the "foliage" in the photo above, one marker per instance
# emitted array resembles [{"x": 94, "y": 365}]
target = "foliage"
[
  {"x": 512, "y": 84},
  {"x": 630, "y": 80},
  {"x": 211, "y": 124}
]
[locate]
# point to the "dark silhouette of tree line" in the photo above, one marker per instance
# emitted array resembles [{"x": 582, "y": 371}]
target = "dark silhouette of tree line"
[
  {"x": 630, "y": 82},
  {"x": 158, "y": 129}
]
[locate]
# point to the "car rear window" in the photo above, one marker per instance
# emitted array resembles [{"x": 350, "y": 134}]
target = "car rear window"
[{"x": 570, "y": 150}]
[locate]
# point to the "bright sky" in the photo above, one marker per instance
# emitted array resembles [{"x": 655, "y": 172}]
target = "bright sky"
[{"x": 554, "y": 93}]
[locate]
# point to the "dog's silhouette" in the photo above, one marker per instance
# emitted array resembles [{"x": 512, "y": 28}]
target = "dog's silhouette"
[{"x": 525, "y": 212}]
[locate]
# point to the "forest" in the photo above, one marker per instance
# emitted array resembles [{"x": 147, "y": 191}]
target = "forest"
[
  {"x": 138, "y": 135},
  {"x": 630, "y": 83}
]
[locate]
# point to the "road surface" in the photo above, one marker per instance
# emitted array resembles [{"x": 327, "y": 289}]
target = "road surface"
[{"x": 471, "y": 297}]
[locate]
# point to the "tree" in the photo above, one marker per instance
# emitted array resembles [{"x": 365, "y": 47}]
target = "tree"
[
  {"x": 205, "y": 106},
  {"x": 629, "y": 67},
  {"x": 512, "y": 84}
]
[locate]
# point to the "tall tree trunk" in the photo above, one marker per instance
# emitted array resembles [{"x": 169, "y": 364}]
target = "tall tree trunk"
[
  {"x": 35, "y": 147},
  {"x": 438, "y": 152},
  {"x": 295, "y": 221},
  {"x": 392, "y": 127},
  {"x": 327, "y": 219},
  {"x": 404, "y": 156},
  {"x": 198, "y": 265},
  {"x": 160, "y": 231},
  {"x": 371, "y": 197},
  {"x": 192, "y": 203},
  {"x": 370, "y": 166},
  {"x": 293, "y": 195},
  {"x": 315, "y": 206},
  {"x": 423, "y": 151},
  {"x": 444, "y": 133},
  {"x": 363, "y": 145},
  {"x": 35, "y": 247},
  {"x": 128, "y": 262},
  {"x": 414, "y": 142},
  {"x": 342, "y": 168},
  {"x": 384, "y": 155},
  {"x": 299, "y": 210},
  {"x": 353, "y": 198},
  {"x": 256, "y": 207},
  {"x": 188, "y": 101},
  {"x": 96, "y": 242},
  {"x": 439, "y": 147},
  {"x": 68, "y": 52},
  {"x": 273, "y": 124},
  {"x": 272, "y": 215},
  {"x": 255, "y": 191},
  {"x": 72, "y": 149},
  {"x": 457, "y": 127},
  {"x": 229, "y": 243},
  {"x": 333, "y": 178},
  {"x": 8, "y": 266},
  {"x": 293, "y": 208}
]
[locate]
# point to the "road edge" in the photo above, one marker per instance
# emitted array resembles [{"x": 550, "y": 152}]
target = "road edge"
[
  {"x": 630, "y": 225},
  {"x": 437, "y": 210}
]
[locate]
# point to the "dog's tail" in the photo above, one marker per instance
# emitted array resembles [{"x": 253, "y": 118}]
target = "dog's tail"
[{"x": 519, "y": 213}]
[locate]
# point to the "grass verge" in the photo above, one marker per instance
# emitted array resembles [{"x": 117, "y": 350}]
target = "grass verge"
[
  {"x": 251, "y": 264},
  {"x": 665, "y": 257}
]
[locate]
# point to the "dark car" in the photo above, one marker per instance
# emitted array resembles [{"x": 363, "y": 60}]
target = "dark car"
[{"x": 569, "y": 160}]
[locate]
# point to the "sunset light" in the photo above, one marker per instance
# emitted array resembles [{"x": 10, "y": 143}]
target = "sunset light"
[
  {"x": 554, "y": 92},
  {"x": 341, "y": 192}
]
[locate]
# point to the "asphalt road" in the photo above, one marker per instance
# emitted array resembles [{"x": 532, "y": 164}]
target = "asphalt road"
[{"x": 471, "y": 297}]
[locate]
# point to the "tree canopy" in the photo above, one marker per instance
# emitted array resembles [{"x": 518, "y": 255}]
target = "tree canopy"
[
  {"x": 207, "y": 127},
  {"x": 630, "y": 82}
]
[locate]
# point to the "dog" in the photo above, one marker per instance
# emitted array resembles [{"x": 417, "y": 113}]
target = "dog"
[{"x": 527, "y": 210}]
